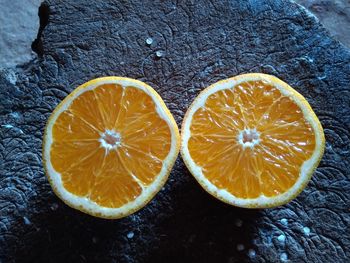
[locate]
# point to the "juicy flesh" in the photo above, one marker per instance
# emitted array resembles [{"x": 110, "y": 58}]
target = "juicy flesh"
[
  {"x": 271, "y": 166},
  {"x": 137, "y": 141}
]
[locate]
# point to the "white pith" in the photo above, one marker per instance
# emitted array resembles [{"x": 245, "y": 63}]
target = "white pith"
[
  {"x": 262, "y": 200},
  {"x": 147, "y": 191}
]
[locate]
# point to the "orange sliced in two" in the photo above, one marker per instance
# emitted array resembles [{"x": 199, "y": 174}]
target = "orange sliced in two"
[
  {"x": 252, "y": 141},
  {"x": 109, "y": 146}
]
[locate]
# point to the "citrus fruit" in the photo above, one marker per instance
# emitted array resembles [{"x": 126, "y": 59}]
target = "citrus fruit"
[
  {"x": 252, "y": 141},
  {"x": 109, "y": 146}
]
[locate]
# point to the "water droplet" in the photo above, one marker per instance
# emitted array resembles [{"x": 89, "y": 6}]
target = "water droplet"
[
  {"x": 240, "y": 247},
  {"x": 149, "y": 41},
  {"x": 26, "y": 221},
  {"x": 251, "y": 253},
  {"x": 159, "y": 54},
  {"x": 238, "y": 222},
  {"x": 130, "y": 235},
  {"x": 281, "y": 238},
  {"x": 283, "y": 257},
  {"x": 284, "y": 221},
  {"x": 306, "y": 230}
]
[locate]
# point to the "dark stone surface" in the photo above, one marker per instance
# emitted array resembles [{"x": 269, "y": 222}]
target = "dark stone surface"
[{"x": 203, "y": 41}]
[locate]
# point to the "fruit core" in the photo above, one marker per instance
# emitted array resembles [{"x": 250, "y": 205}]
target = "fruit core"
[
  {"x": 110, "y": 139},
  {"x": 249, "y": 137}
]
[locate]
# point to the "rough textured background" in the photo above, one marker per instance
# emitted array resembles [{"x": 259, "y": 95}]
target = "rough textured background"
[
  {"x": 202, "y": 42},
  {"x": 16, "y": 35}
]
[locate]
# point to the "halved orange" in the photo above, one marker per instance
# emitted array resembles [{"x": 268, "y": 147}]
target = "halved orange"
[
  {"x": 252, "y": 141},
  {"x": 109, "y": 146}
]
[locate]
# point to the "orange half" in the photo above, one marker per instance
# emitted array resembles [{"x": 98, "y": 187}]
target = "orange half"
[
  {"x": 252, "y": 141},
  {"x": 109, "y": 146}
]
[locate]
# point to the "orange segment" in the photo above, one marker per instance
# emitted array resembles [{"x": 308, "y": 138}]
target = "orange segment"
[
  {"x": 250, "y": 136},
  {"x": 135, "y": 106},
  {"x": 110, "y": 145},
  {"x": 134, "y": 160},
  {"x": 63, "y": 154},
  {"x": 79, "y": 178},
  {"x": 113, "y": 186},
  {"x": 147, "y": 139},
  {"x": 109, "y": 102},
  {"x": 70, "y": 127},
  {"x": 85, "y": 108}
]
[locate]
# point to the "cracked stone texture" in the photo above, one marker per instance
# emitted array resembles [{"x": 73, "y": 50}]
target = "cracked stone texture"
[
  {"x": 202, "y": 42},
  {"x": 17, "y": 34}
]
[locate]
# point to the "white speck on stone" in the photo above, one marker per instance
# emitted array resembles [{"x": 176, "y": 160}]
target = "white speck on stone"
[
  {"x": 159, "y": 54},
  {"x": 54, "y": 206},
  {"x": 284, "y": 221},
  {"x": 281, "y": 238},
  {"x": 251, "y": 253},
  {"x": 283, "y": 257},
  {"x": 308, "y": 59},
  {"x": 11, "y": 77},
  {"x": 306, "y": 230},
  {"x": 149, "y": 41},
  {"x": 15, "y": 115},
  {"x": 130, "y": 235},
  {"x": 238, "y": 222},
  {"x": 240, "y": 247},
  {"x": 26, "y": 221},
  {"x": 9, "y": 126}
]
